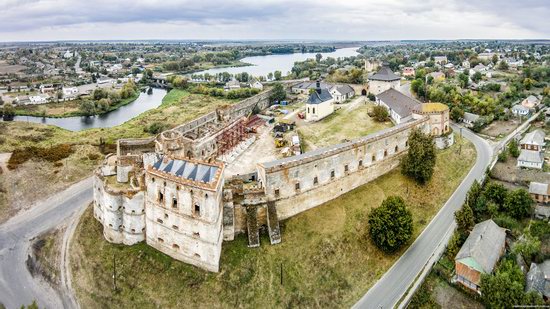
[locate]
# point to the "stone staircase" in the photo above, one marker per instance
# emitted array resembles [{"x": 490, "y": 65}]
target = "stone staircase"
[{"x": 273, "y": 224}]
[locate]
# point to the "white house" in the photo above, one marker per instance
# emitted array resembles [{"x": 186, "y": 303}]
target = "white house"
[
  {"x": 530, "y": 159},
  {"x": 383, "y": 80},
  {"x": 341, "y": 93},
  {"x": 257, "y": 85},
  {"x": 520, "y": 110},
  {"x": 68, "y": 54},
  {"x": 399, "y": 106},
  {"x": 69, "y": 91},
  {"x": 466, "y": 64},
  {"x": 319, "y": 104},
  {"x": 469, "y": 119},
  {"x": 38, "y": 99},
  {"x": 232, "y": 84}
]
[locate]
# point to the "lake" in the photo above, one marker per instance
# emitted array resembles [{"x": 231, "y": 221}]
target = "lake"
[
  {"x": 117, "y": 117},
  {"x": 262, "y": 65}
]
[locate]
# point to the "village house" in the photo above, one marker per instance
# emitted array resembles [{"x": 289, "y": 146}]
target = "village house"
[
  {"x": 469, "y": 119},
  {"x": 256, "y": 85},
  {"x": 440, "y": 60},
  {"x": 47, "y": 88},
  {"x": 539, "y": 192},
  {"x": 520, "y": 110},
  {"x": 466, "y": 64},
  {"x": 533, "y": 141},
  {"x": 304, "y": 87},
  {"x": 530, "y": 159},
  {"x": 437, "y": 76},
  {"x": 408, "y": 71},
  {"x": 69, "y": 91},
  {"x": 538, "y": 279},
  {"x": 486, "y": 56},
  {"x": 383, "y": 80},
  {"x": 530, "y": 102},
  {"x": 479, "y": 254},
  {"x": 319, "y": 104},
  {"x": 341, "y": 93}
]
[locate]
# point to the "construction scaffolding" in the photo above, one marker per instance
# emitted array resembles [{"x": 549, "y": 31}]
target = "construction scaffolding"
[{"x": 231, "y": 136}]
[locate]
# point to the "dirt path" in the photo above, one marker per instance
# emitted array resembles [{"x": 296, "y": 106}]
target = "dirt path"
[{"x": 4, "y": 158}]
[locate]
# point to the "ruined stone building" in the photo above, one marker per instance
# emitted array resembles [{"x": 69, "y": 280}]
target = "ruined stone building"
[{"x": 171, "y": 192}]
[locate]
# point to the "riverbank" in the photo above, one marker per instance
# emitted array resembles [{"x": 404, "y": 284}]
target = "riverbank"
[{"x": 66, "y": 109}]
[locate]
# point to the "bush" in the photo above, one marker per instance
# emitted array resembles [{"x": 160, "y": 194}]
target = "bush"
[
  {"x": 503, "y": 156},
  {"x": 50, "y": 154},
  {"x": 518, "y": 203},
  {"x": 155, "y": 128},
  {"x": 390, "y": 225},
  {"x": 380, "y": 113}
]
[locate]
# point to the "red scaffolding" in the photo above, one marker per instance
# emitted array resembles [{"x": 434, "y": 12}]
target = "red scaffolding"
[{"x": 231, "y": 136}]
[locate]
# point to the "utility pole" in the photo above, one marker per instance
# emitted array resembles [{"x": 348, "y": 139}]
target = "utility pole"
[
  {"x": 281, "y": 273},
  {"x": 460, "y": 142}
]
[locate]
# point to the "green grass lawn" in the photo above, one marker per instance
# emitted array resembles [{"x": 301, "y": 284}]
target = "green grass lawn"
[
  {"x": 326, "y": 257},
  {"x": 341, "y": 125}
]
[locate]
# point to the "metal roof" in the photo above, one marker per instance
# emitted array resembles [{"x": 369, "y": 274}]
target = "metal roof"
[
  {"x": 538, "y": 188},
  {"x": 534, "y": 138},
  {"x": 482, "y": 248},
  {"x": 319, "y": 96},
  {"x": 384, "y": 74},
  {"x": 531, "y": 156},
  {"x": 401, "y": 104},
  {"x": 538, "y": 278},
  {"x": 187, "y": 169}
]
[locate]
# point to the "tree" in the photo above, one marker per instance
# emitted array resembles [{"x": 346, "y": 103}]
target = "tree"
[
  {"x": 518, "y": 203},
  {"x": 500, "y": 290},
  {"x": 380, "y": 113},
  {"x": 463, "y": 80},
  {"x": 278, "y": 93},
  {"x": 496, "y": 193},
  {"x": 454, "y": 246},
  {"x": 278, "y": 75},
  {"x": 391, "y": 224},
  {"x": 495, "y": 59},
  {"x": 87, "y": 108},
  {"x": 318, "y": 57},
  {"x": 269, "y": 76},
  {"x": 476, "y": 77},
  {"x": 527, "y": 246},
  {"x": 457, "y": 113},
  {"x": 513, "y": 148},
  {"x": 503, "y": 65},
  {"x": 464, "y": 219},
  {"x": 528, "y": 83},
  {"x": 8, "y": 110},
  {"x": 419, "y": 161}
]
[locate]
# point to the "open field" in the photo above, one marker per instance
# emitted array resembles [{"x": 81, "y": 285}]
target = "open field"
[
  {"x": 326, "y": 257},
  {"x": 343, "y": 125},
  {"x": 499, "y": 128},
  {"x": 10, "y": 68},
  {"x": 177, "y": 107}
]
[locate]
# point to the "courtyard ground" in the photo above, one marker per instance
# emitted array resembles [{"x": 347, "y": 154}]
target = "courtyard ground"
[
  {"x": 262, "y": 150},
  {"x": 347, "y": 123},
  {"x": 326, "y": 258},
  {"x": 438, "y": 293}
]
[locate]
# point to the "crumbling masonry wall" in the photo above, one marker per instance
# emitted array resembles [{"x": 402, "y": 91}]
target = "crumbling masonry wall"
[{"x": 299, "y": 183}]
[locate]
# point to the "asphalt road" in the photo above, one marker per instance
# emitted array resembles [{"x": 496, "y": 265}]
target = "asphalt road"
[
  {"x": 387, "y": 292},
  {"x": 17, "y": 286}
]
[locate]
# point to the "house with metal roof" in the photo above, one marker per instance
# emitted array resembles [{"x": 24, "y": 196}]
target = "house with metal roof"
[
  {"x": 533, "y": 141},
  {"x": 469, "y": 119},
  {"x": 538, "y": 279},
  {"x": 319, "y": 104},
  {"x": 341, "y": 93},
  {"x": 520, "y": 110},
  {"x": 479, "y": 254},
  {"x": 539, "y": 192},
  {"x": 383, "y": 80},
  {"x": 399, "y": 106},
  {"x": 530, "y": 159},
  {"x": 530, "y": 102}
]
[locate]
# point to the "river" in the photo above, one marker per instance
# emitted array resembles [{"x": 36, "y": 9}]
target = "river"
[
  {"x": 117, "y": 117},
  {"x": 262, "y": 65}
]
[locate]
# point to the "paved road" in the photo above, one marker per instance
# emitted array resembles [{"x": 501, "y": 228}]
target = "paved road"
[
  {"x": 396, "y": 281},
  {"x": 17, "y": 286}
]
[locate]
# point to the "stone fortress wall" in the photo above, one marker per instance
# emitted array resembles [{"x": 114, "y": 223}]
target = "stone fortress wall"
[{"x": 276, "y": 191}]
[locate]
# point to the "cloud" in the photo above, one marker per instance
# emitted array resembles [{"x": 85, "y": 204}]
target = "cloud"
[{"x": 272, "y": 19}]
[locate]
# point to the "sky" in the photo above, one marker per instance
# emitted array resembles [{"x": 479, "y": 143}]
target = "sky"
[{"x": 50, "y": 20}]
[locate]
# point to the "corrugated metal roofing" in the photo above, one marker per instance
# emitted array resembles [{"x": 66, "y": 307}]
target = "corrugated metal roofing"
[{"x": 186, "y": 169}]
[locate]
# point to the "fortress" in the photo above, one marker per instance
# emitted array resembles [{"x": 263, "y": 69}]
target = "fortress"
[{"x": 171, "y": 191}]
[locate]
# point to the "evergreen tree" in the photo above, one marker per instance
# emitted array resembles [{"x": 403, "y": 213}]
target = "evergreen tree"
[
  {"x": 464, "y": 219},
  {"x": 518, "y": 203},
  {"x": 419, "y": 162}
]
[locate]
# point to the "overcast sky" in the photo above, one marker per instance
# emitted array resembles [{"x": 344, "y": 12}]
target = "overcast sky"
[{"x": 23, "y": 20}]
